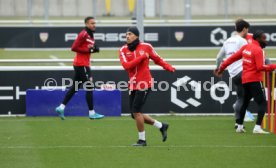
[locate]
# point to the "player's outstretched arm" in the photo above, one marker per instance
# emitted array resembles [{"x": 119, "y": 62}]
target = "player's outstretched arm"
[
  {"x": 130, "y": 64},
  {"x": 159, "y": 61},
  {"x": 237, "y": 56}
]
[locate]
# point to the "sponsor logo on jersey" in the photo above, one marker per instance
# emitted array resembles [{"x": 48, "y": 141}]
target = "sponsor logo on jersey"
[
  {"x": 141, "y": 52},
  {"x": 247, "y": 52}
]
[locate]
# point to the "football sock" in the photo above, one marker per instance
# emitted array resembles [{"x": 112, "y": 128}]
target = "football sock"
[
  {"x": 257, "y": 127},
  {"x": 240, "y": 126},
  {"x": 142, "y": 135},
  {"x": 62, "y": 106},
  {"x": 91, "y": 112},
  {"x": 157, "y": 124}
]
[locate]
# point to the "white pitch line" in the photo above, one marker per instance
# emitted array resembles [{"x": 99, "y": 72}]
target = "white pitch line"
[
  {"x": 168, "y": 114},
  {"x": 109, "y": 119},
  {"x": 56, "y": 58},
  {"x": 129, "y": 146}
]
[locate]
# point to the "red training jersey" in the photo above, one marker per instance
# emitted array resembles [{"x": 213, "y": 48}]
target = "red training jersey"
[
  {"x": 81, "y": 46},
  {"x": 253, "y": 62},
  {"x": 136, "y": 63}
]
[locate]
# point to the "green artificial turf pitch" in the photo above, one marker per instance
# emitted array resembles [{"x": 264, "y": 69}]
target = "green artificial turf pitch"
[{"x": 77, "y": 142}]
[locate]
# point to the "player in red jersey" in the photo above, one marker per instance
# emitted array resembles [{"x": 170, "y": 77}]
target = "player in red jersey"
[
  {"x": 134, "y": 57},
  {"x": 252, "y": 76},
  {"x": 84, "y": 45}
]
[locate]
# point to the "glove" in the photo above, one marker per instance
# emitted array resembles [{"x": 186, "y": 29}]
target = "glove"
[
  {"x": 94, "y": 49},
  {"x": 218, "y": 73}
]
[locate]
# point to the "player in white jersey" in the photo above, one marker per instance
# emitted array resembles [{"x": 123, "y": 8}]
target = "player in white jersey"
[{"x": 230, "y": 46}]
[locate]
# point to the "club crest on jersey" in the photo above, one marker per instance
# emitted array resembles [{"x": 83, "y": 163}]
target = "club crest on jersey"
[
  {"x": 43, "y": 36},
  {"x": 128, "y": 54},
  {"x": 179, "y": 36},
  {"x": 141, "y": 52}
]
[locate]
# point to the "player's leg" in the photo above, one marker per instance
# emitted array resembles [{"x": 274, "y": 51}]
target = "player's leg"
[
  {"x": 238, "y": 87},
  {"x": 139, "y": 119},
  {"x": 149, "y": 120},
  {"x": 139, "y": 101},
  {"x": 74, "y": 88},
  {"x": 257, "y": 90},
  {"x": 163, "y": 127},
  {"x": 88, "y": 87},
  {"x": 134, "y": 104},
  {"x": 242, "y": 110}
]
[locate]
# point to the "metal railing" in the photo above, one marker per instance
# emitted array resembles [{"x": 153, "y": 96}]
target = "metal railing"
[
  {"x": 102, "y": 60},
  {"x": 105, "y": 60},
  {"x": 146, "y": 22}
]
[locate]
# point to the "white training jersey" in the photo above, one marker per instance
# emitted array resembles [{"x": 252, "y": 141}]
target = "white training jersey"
[{"x": 230, "y": 46}]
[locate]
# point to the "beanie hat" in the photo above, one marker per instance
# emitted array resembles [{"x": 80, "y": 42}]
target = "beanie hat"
[{"x": 133, "y": 30}]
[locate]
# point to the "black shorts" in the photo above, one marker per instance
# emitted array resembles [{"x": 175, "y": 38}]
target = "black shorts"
[
  {"x": 82, "y": 73},
  {"x": 83, "y": 77},
  {"x": 137, "y": 98}
]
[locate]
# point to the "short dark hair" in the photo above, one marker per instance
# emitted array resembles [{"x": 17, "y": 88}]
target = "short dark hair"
[
  {"x": 241, "y": 24},
  {"x": 258, "y": 34},
  {"x": 88, "y": 18}
]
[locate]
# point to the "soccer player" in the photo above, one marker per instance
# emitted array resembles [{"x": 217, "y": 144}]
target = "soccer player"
[
  {"x": 230, "y": 46},
  {"x": 252, "y": 76},
  {"x": 84, "y": 45},
  {"x": 134, "y": 57}
]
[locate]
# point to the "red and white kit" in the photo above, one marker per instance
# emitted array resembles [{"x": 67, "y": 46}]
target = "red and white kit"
[
  {"x": 253, "y": 62},
  {"x": 82, "y": 46},
  {"x": 136, "y": 63}
]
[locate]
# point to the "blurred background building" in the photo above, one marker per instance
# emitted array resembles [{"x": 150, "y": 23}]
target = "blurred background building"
[{"x": 158, "y": 9}]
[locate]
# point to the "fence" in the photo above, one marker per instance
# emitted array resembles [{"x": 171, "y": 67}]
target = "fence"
[
  {"x": 187, "y": 9},
  {"x": 50, "y": 36}
]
